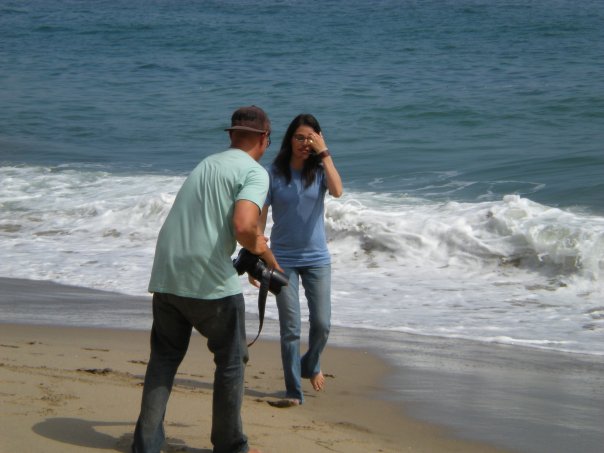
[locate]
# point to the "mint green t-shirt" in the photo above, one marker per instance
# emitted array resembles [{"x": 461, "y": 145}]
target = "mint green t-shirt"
[{"x": 196, "y": 242}]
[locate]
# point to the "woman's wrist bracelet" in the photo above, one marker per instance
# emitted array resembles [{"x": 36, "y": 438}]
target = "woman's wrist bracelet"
[{"x": 323, "y": 154}]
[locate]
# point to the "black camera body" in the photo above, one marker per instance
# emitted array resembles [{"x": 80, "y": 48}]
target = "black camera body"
[{"x": 246, "y": 261}]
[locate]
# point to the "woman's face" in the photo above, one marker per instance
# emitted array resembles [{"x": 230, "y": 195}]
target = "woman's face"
[{"x": 301, "y": 148}]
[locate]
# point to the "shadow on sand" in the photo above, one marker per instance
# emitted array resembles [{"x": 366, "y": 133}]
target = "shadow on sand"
[{"x": 83, "y": 433}]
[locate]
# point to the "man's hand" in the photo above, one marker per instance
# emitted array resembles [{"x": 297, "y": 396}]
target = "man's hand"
[{"x": 253, "y": 281}]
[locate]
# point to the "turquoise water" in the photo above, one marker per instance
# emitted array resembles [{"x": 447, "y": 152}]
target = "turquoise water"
[{"x": 459, "y": 100}]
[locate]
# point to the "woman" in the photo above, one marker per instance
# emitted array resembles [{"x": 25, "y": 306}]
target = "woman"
[{"x": 300, "y": 175}]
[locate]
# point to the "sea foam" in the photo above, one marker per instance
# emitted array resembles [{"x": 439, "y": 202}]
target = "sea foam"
[{"x": 510, "y": 270}]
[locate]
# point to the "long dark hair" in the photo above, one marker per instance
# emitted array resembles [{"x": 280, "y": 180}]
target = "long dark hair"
[{"x": 311, "y": 165}]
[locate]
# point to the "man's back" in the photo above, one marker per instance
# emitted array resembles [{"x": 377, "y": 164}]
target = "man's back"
[{"x": 195, "y": 244}]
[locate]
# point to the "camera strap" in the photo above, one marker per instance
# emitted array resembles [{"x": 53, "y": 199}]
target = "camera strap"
[{"x": 264, "y": 285}]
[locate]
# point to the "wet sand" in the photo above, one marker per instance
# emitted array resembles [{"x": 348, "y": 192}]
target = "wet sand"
[{"x": 64, "y": 388}]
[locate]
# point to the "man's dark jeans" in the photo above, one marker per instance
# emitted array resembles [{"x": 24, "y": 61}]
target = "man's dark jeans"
[{"x": 222, "y": 322}]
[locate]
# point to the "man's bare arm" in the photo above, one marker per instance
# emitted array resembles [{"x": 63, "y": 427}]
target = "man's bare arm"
[{"x": 246, "y": 226}]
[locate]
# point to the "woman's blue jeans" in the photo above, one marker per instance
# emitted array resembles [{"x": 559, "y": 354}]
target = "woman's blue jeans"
[
  {"x": 222, "y": 322},
  {"x": 316, "y": 282}
]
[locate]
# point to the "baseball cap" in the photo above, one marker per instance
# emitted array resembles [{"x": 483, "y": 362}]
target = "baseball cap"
[{"x": 250, "y": 118}]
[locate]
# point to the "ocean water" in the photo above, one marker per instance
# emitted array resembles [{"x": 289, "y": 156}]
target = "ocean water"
[{"x": 469, "y": 135}]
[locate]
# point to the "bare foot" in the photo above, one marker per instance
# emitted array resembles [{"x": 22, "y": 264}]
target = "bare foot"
[{"x": 318, "y": 381}]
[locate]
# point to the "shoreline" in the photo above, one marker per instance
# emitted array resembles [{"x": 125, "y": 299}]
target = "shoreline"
[
  {"x": 80, "y": 387},
  {"x": 385, "y": 389}
]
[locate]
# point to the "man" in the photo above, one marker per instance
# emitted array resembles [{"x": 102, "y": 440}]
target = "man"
[{"x": 195, "y": 285}]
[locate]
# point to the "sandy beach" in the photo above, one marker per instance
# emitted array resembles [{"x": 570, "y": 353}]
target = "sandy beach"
[
  {"x": 67, "y": 389},
  {"x": 71, "y": 388}
]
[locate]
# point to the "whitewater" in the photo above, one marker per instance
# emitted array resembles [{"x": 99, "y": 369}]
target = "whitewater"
[{"x": 506, "y": 271}]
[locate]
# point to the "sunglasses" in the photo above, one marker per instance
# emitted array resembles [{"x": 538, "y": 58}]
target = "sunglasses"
[{"x": 301, "y": 138}]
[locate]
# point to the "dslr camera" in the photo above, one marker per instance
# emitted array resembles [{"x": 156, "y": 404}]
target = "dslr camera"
[{"x": 246, "y": 261}]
